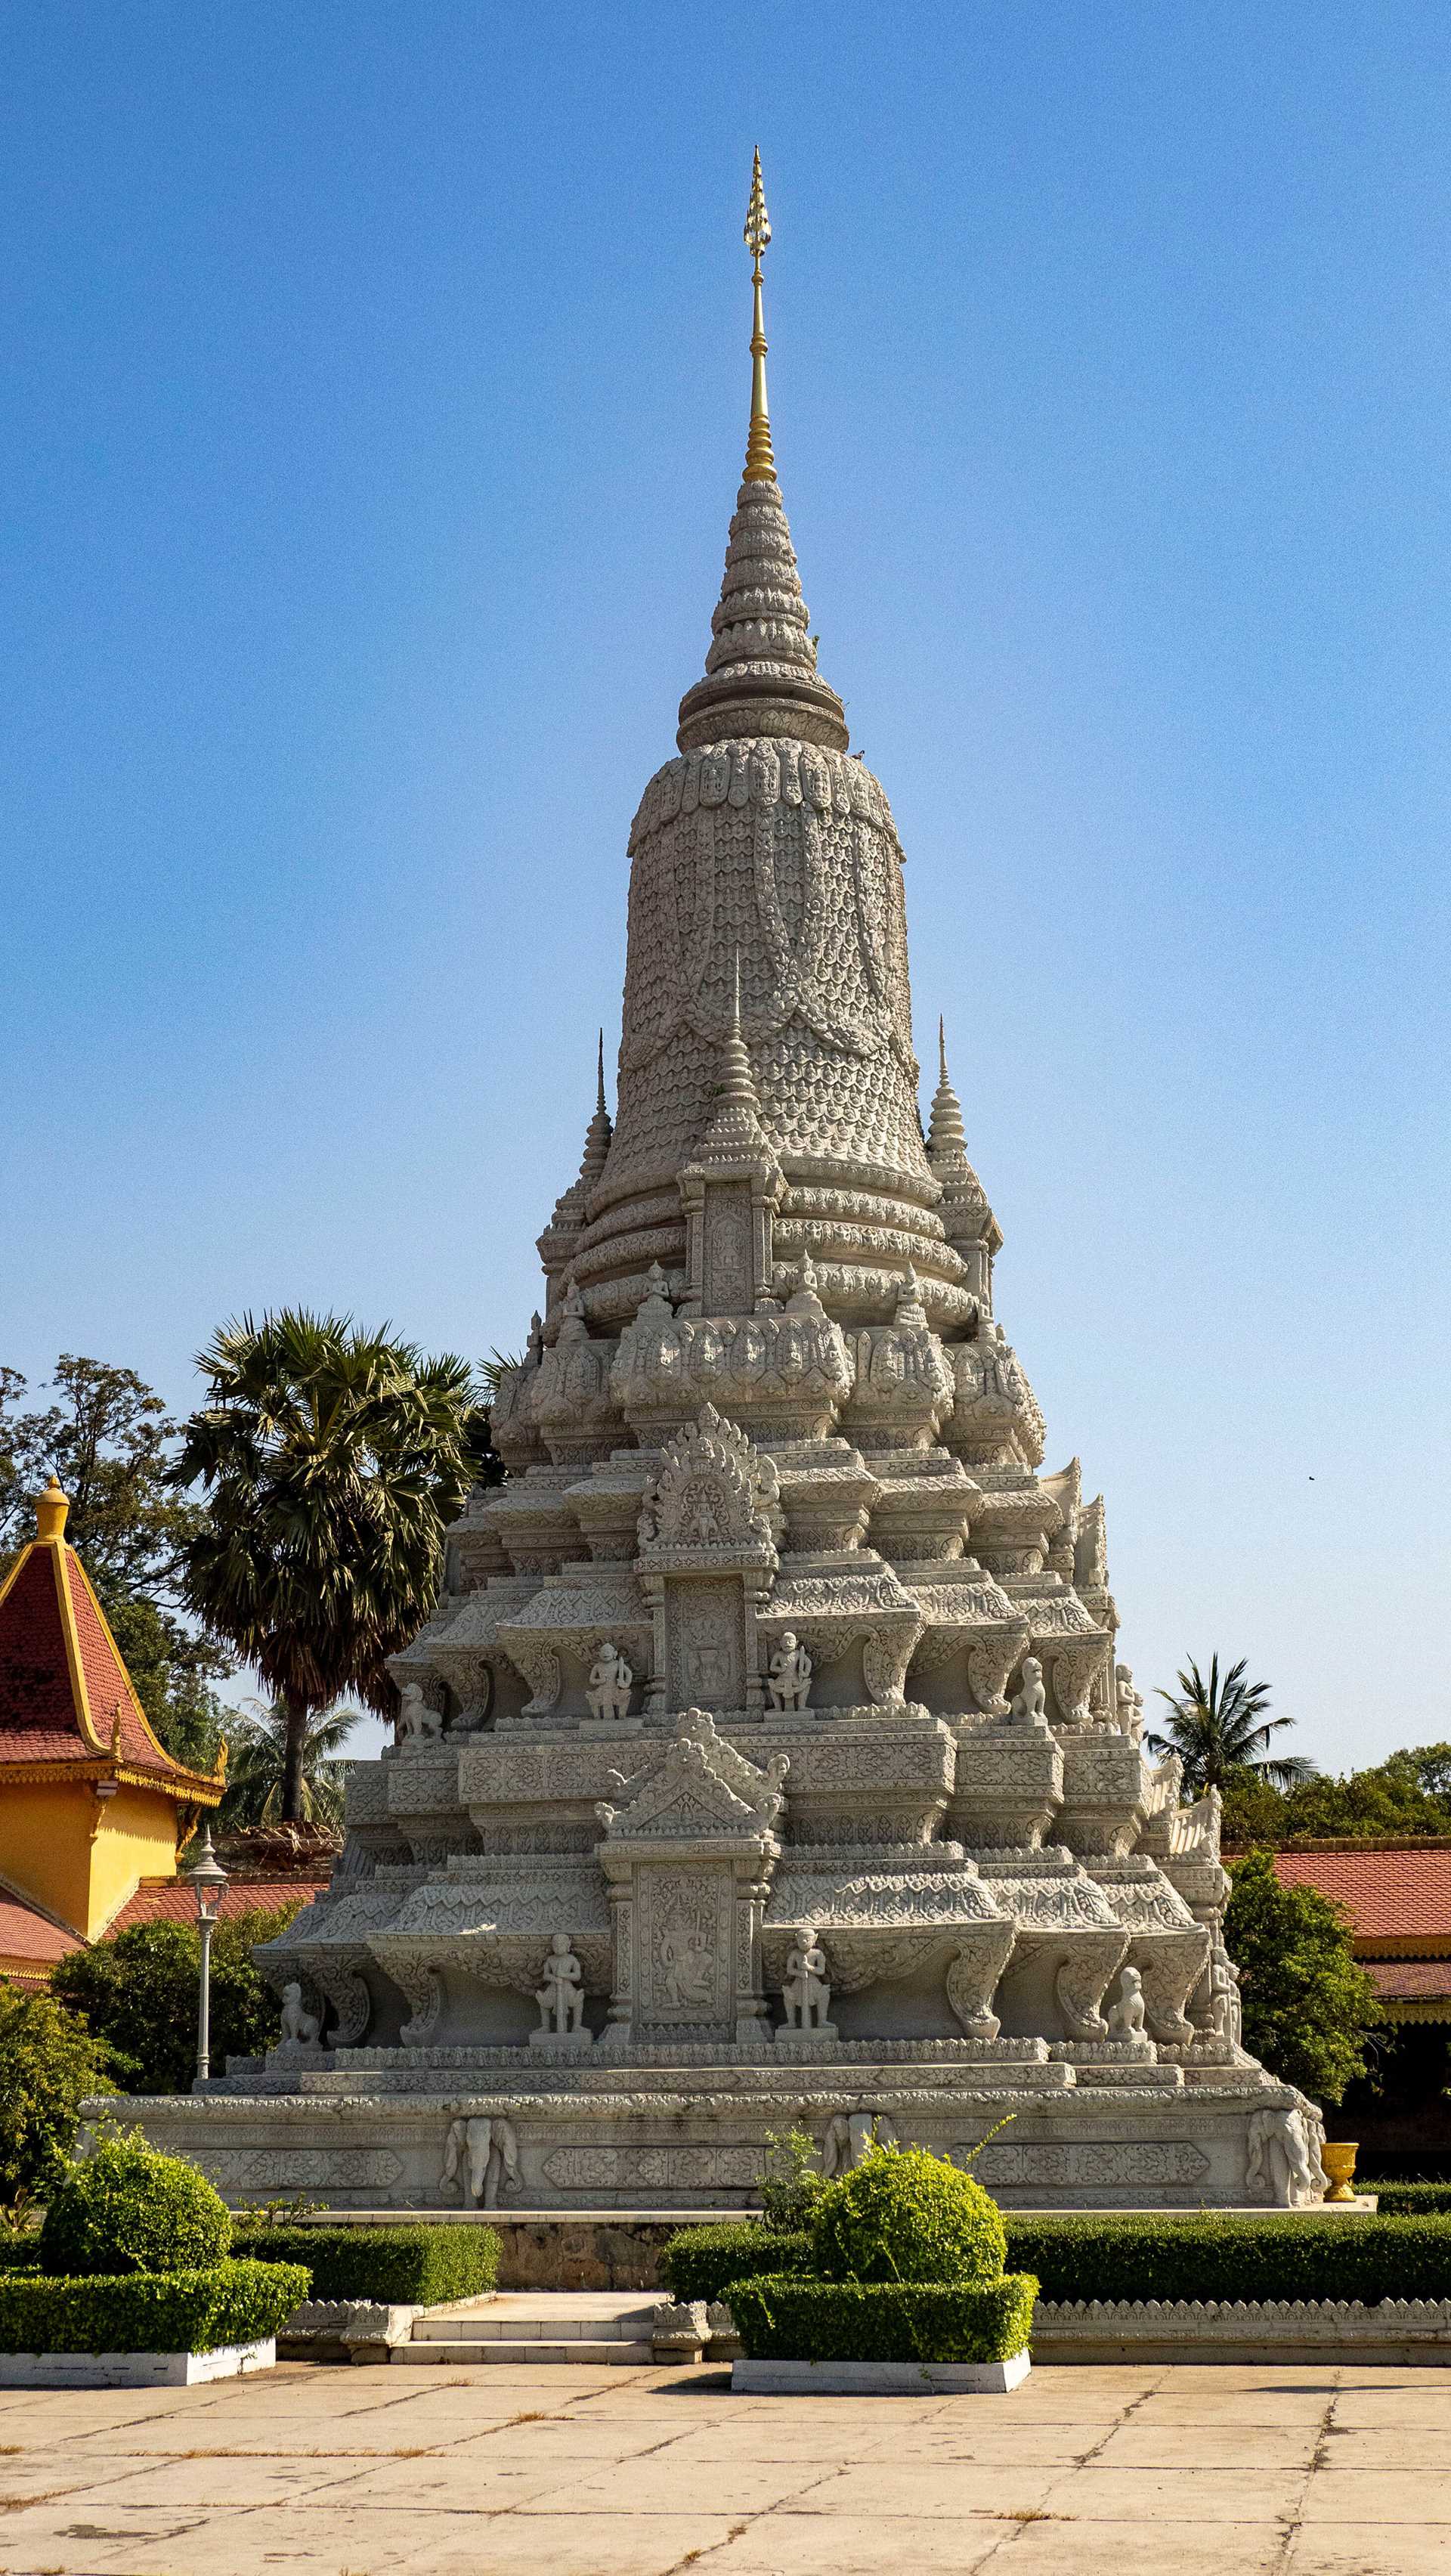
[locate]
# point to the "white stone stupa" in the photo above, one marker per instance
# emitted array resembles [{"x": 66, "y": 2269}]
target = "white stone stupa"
[{"x": 767, "y": 1761}]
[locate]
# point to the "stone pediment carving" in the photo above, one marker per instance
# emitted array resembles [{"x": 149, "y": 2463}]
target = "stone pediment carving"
[
  {"x": 996, "y": 1415},
  {"x": 789, "y": 1365},
  {"x": 701, "y": 1787},
  {"x": 715, "y": 1502},
  {"x": 570, "y": 1396},
  {"x": 903, "y": 1384},
  {"x": 1061, "y": 1902}
]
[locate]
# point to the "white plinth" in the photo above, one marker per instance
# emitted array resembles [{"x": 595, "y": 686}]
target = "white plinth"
[
  {"x": 879, "y": 2378},
  {"x": 134, "y": 2369}
]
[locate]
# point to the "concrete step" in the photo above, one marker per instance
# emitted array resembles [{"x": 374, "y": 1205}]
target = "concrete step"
[
  {"x": 583, "y": 2327},
  {"x": 532, "y": 2329},
  {"x": 580, "y": 2351}
]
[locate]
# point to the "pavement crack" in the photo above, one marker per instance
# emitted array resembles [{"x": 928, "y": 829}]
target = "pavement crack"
[{"x": 1319, "y": 2458}]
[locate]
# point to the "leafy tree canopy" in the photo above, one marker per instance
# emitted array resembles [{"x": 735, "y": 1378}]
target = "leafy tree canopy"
[
  {"x": 1307, "y": 2006},
  {"x": 138, "y": 1995},
  {"x": 1219, "y": 1728},
  {"x": 49, "y": 2062},
  {"x": 108, "y": 1438},
  {"x": 1407, "y": 1794},
  {"x": 332, "y": 1460},
  {"x": 257, "y": 1768}
]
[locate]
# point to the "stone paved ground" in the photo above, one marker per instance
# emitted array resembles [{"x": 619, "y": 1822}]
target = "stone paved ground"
[{"x": 561, "y": 2472}]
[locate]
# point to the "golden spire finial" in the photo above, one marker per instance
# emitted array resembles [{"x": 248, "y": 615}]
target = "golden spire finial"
[
  {"x": 50, "y": 1511},
  {"x": 760, "y": 463}
]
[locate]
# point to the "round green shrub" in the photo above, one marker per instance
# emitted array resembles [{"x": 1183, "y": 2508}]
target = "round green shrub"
[
  {"x": 905, "y": 2215},
  {"x": 128, "y": 2209}
]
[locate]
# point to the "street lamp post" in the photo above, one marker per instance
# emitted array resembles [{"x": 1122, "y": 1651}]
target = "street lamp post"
[{"x": 209, "y": 1880}]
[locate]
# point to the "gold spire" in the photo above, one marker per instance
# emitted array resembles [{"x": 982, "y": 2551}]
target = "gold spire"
[
  {"x": 50, "y": 1512},
  {"x": 760, "y": 463}
]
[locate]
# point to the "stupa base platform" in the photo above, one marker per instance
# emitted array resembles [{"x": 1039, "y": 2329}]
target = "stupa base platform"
[{"x": 447, "y": 2130}]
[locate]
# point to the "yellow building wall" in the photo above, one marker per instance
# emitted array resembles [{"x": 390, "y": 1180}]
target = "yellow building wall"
[{"x": 47, "y": 1847}]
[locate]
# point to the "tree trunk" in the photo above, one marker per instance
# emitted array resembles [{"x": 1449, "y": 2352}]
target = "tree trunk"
[{"x": 297, "y": 1716}]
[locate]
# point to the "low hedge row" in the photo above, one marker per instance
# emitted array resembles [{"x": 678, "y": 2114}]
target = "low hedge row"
[
  {"x": 783, "y": 2318},
  {"x": 702, "y": 2262},
  {"x": 1108, "y": 2255},
  {"x": 1302, "y": 2255},
  {"x": 397, "y": 2266},
  {"x": 1412, "y": 2199},
  {"x": 148, "y": 2311}
]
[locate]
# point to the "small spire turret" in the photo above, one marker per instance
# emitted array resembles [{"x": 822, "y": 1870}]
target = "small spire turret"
[
  {"x": 761, "y": 675},
  {"x": 735, "y": 1126},
  {"x": 946, "y": 1135},
  {"x": 760, "y": 463},
  {"x": 599, "y": 1133},
  {"x": 967, "y": 1219}
]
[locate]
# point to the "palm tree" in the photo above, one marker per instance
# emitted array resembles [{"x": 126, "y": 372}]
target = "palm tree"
[
  {"x": 257, "y": 1767},
  {"x": 1220, "y": 1727},
  {"x": 332, "y": 1461}
]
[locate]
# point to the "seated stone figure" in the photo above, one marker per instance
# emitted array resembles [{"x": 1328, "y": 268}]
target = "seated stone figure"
[
  {"x": 300, "y": 2028},
  {"x": 789, "y": 1678},
  {"x": 561, "y": 1997},
  {"x": 1030, "y": 1705},
  {"x": 611, "y": 1681},
  {"x": 1126, "y": 2016},
  {"x": 806, "y": 1994},
  {"x": 417, "y": 1722}
]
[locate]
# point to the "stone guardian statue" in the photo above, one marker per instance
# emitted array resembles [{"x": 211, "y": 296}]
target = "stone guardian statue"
[
  {"x": 561, "y": 1997},
  {"x": 611, "y": 1681},
  {"x": 806, "y": 1994},
  {"x": 789, "y": 1677}
]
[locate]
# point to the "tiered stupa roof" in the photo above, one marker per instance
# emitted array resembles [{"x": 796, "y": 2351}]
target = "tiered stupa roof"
[
  {"x": 65, "y": 1694},
  {"x": 775, "y": 1647}
]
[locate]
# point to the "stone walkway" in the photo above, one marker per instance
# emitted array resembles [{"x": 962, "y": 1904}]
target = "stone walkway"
[{"x": 545, "y": 2472}]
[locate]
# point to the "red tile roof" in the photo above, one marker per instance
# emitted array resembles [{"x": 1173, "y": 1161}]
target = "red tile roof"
[
  {"x": 28, "y": 1938},
  {"x": 1396, "y": 1893},
  {"x": 1410, "y": 1980},
  {"x": 173, "y": 1900},
  {"x": 65, "y": 1694}
]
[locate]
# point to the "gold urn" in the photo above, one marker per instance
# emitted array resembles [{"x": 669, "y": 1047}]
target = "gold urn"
[{"x": 1339, "y": 2163}]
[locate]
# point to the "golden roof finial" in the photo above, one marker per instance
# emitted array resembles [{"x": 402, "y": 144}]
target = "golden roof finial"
[
  {"x": 760, "y": 463},
  {"x": 50, "y": 1511}
]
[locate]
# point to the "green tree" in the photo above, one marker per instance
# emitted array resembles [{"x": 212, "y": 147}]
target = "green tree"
[
  {"x": 257, "y": 1767},
  {"x": 1307, "y": 2006},
  {"x": 138, "y": 1995},
  {"x": 332, "y": 1460},
  {"x": 109, "y": 1439},
  {"x": 49, "y": 2062},
  {"x": 1408, "y": 1794},
  {"x": 1219, "y": 1727}
]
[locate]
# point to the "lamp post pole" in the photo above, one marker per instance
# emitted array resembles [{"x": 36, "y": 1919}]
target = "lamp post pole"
[{"x": 209, "y": 1880}]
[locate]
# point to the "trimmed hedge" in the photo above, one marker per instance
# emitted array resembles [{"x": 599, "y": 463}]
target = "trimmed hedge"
[
  {"x": 1302, "y": 2255},
  {"x": 403, "y": 2266},
  {"x": 702, "y": 2262},
  {"x": 1105, "y": 2254},
  {"x": 128, "y": 2209},
  {"x": 149, "y": 2311},
  {"x": 1411, "y": 2199},
  {"x": 782, "y": 2318},
  {"x": 905, "y": 2215}
]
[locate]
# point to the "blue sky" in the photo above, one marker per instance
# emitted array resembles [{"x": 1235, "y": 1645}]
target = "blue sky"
[{"x": 375, "y": 398}]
